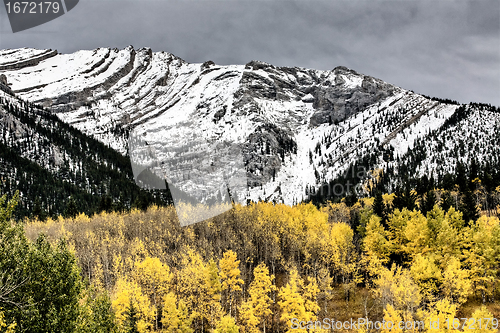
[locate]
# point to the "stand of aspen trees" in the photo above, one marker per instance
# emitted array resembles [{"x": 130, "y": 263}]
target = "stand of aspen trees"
[{"x": 255, "y": 268}]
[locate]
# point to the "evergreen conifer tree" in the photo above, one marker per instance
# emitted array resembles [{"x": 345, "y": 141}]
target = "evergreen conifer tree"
[
  {"x": 468, "y": 207},
  {"x": 379, "y": 208},
  {"x": 71, "y": 209},
  {"x": 428, "y": 202},
  {"x": 132, "y": 318},
  {"x": 38, "y": 211}
]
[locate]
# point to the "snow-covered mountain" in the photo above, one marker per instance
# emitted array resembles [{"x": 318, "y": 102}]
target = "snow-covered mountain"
[{"x": 297, "y": 128}]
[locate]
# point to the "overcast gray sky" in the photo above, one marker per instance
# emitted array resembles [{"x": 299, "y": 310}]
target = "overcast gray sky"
[{"x": 442, "y": 48}]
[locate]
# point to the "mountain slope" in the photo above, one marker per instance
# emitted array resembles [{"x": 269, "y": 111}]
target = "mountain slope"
[
  {"x": 48, "y": 161},
  {"x": 296, "y": 128}
]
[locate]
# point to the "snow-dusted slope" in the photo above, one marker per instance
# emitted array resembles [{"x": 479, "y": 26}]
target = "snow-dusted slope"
[
  {"x": 49, "y": 162},
  {"x": 295, "y": 126},
  {"x": 472, "y": 133}
]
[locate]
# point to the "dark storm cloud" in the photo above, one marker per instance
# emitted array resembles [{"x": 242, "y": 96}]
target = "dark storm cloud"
[{"x": 449, "y": 49}]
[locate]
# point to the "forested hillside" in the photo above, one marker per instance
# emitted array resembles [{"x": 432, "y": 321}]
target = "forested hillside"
[
  {"x": 464, "y": 151},
  {"x": 255, "y": 268},
  {"x": 60, "y": 170}
]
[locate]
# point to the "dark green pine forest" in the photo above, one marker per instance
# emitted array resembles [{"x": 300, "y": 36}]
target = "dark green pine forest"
[{"x": 59, "y": 170}]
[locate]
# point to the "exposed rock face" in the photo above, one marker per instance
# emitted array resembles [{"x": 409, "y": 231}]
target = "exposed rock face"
[
  {"x": 13, "y": 126},
  {"x": 261, "y": 86},
  {"x": 255, "y": 65},
  {"x": 75, "y": 99},
  {"x": 56, "y": 158},
  {"x": 3, "y": 80},
  {"x": 4, "y": 85},
  {"x": 265, "y": 151},
  {"x": 335, "y": 103},
  {"x": 207, "y": 64},
  {"x": 28, "y": 62}
]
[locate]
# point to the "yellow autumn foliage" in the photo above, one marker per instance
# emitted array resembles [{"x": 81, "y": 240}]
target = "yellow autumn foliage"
[
  {"x": 482, "y": 321},
  {"x": 207, "y": 275},
  {"x": 440, "y": 318},
  {"x": 9, "y": 328},
  {"x": 129, "y": 292}
]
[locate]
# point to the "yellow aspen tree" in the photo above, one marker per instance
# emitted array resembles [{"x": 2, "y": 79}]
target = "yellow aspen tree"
[
  {"x": 170, "y": 317},
  {"x": 455, "y": 218},
  {"x": 98, "y": 279},
  {"x": 456, "y": 282},
  {"x": 260, "y": 301},
  {"x": 444, "y": 240},
  {"x": 87, "y": 254},
  {"x": 362, "y": 329},
  {"x": 440, "y": 318},
  {"x": 482, "y": 321},
  {"x": 388, "y": 198},
  {"x": 397, "y": 223},
  {"x": 154, "y": 278},
  {"x": 417, "y": 235},
  {"x": 409, "y": 232},
  {"x": 227, "y": 325},
  {"x": 315, "y": 227},
  {"x": 129, "y": 292},
  {"x": 137, "y": 252},
  {"x": 310, "y": 292},
  {"x": 435, "y": 218},
  {"x": 392, "y": 318},
  {"x": 427, "y": 274},
  {"x": 190, "y": 284},
  {"x": 397, "y": 288},
  {"x": 293, "y": 234},
  {"x": 248, "y": 319},
  {"x": 365, "y": 213},
  {"x": 495, "y": 232},
  {"x": 407, "y": 296},
  {"x": 185, "y": 318},
  {"x": 211, "y": 296},
  {"x": 343, "y": 257},
  {"x": 9, "y": 328},
  {"x": 325, "y": 288},
  {"x": 376, "y": 246},
  {"x": 448, "y": 240},
  {"x": 398, "y": 320},
  {"x": 337, "y": 212},
  {"x": 118, "y": 266},
  {"x": 175, "y": 316},
  {"x": 410, "y": 322},
  {"x": 291, "y": 302},
  {"x": 230, "y": 278},
  {"x": 481, "y": 256},
  {"x": 338, "y": 248},
  {"x": 270, "y": 220}
]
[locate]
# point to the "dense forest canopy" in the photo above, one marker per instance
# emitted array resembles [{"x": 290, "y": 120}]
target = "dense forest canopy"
[{"x": 252, "y": 269}]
